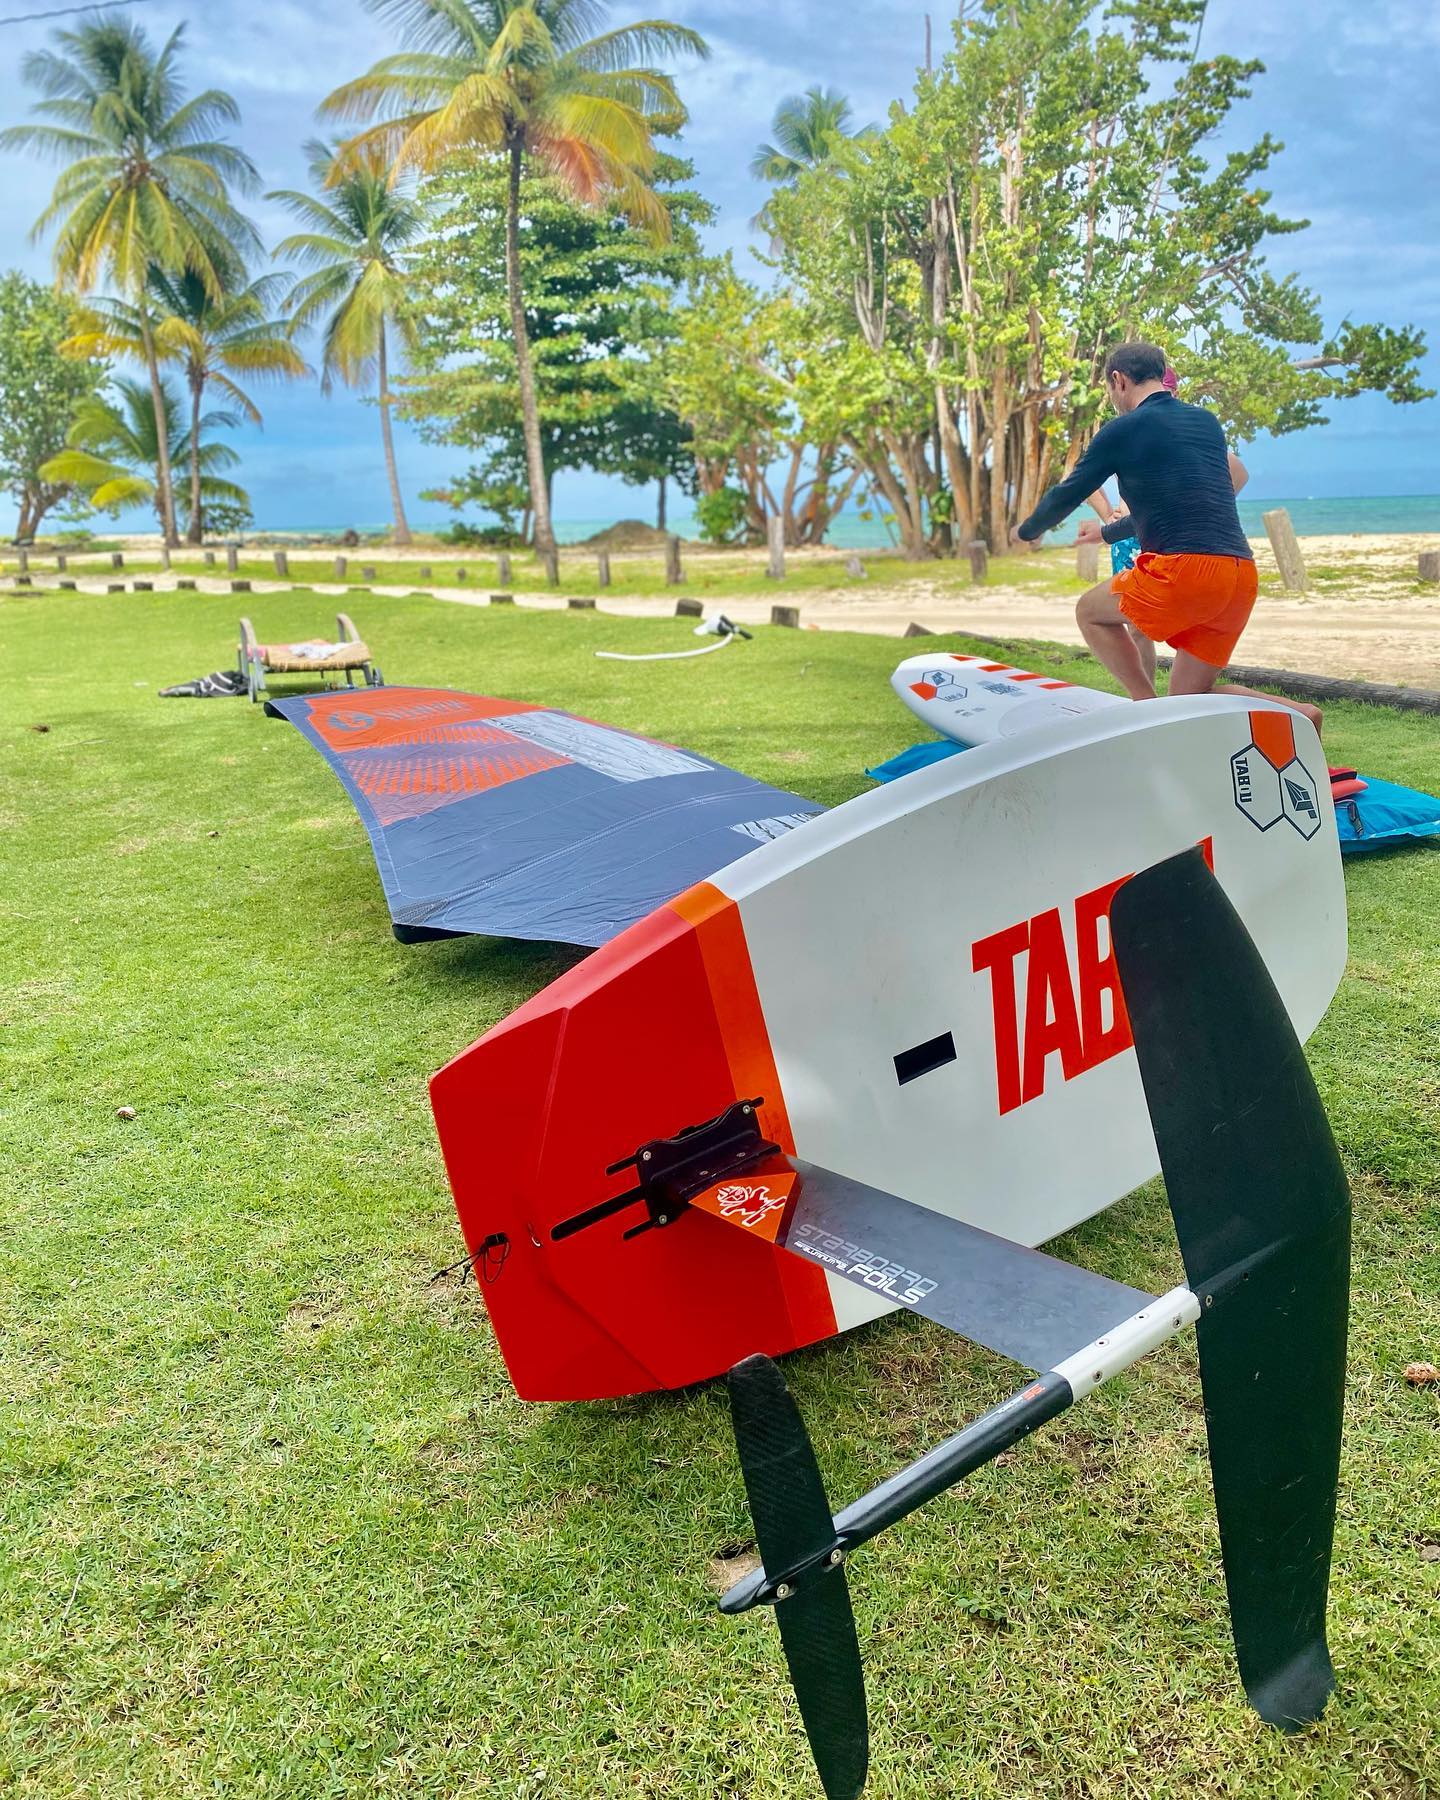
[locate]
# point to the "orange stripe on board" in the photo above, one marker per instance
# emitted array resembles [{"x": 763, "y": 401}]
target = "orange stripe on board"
[
  {"x": 994, "y": 668},
  {"x": 1274, "y": 736},
  {"x": 1056, "y": 684},
  {"x": 715, "y": 919},
  {"x": 1024, "y": 675}
]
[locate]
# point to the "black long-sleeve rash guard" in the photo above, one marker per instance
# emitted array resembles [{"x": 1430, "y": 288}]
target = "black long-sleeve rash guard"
[{"x": 1174, "y": 473}]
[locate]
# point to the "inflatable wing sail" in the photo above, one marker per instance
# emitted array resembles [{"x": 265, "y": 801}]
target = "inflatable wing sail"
[{"x": 511, "y": 820}]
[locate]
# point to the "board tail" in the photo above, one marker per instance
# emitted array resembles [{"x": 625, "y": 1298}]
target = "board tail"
[
  {"x": 796, "y": 1535},
  {"x": 1262, "y": 1211}
]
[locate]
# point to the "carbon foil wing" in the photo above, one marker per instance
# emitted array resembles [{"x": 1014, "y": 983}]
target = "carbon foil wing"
[
  {"x": 1035, "y": 1309},
  {"x": 505, "y": 819},
  {"x": 1262, "y": 1211}
]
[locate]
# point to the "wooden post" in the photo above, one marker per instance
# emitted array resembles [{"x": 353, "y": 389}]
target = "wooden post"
[
  {"x": 209, "y": 559},
  {"x": 503, "y": 570},
  {"x": 785, "y": 615},
  {"x": 68, "y": 587},
  {"x": 502, "y": 599},
  {"x": 117, "y": 561},
  {"x": 368, "y": 571},
  {"x": 61, "y": 563},
  {"x": 282, "y": 563},
  {"x": 674, "y": 574},
  {"x": 689, "y": 609},
  {"x": 1430, "y": 565},
  {"x": 114, "y": 587},
  {"x": 144, "y": 587},
  {"x": 164, "y": 556},
  {"x": 602, "y": 563},
  {"x": 552, "y": 568},
  {"x": 185, "y": 585},
  {"x": 1087, "y": 562},
  {"x": 239, "y": 587},
  {"x": 1286, "y": 546},
  {"x": 775, "y": 538},
  {"x": 426, "y": 572},
  {"x": 979, "y": 555},
  {"x": 462, "y": 574},
  {"x": 580, "y": 605},
  {"x": 232, "y": 559},
  {"x": 341, "y": 565},
  {"x": 855, "y": 568}
]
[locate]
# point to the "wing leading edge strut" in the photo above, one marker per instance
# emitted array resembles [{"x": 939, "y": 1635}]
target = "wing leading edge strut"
[{"x": 1261, "y": 1211}]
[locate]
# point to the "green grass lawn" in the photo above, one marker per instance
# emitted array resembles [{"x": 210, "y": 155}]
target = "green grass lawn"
[{"x": 273, "y": 1521}]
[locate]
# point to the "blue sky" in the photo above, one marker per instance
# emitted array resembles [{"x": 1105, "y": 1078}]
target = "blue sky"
[{"x": 1352, "y": 92}]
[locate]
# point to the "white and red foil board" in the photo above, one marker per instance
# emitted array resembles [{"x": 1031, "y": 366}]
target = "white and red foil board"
[
  {"x": 920, "y": 987},
  {"x": 975, "y": 701}
]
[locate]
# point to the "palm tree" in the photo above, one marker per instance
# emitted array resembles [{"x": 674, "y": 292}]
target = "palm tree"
[
  {"x": 215, "y": 339},
  {"x": 805, "y": 126},
  {"x": 114, "y": 450},
  {"x": 522, "y": 79},
  {"x": 358, "y": 278},
  {"x": 146, "y": 183}
]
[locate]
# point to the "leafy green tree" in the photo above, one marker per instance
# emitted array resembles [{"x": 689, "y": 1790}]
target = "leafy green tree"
[
  {"x": 356, "y": 247},
  {"x": 40, "y": 388},
  {"x": 804, "y": 127},
  {"x": 598, "y": 318},
  {"x": 743, "y": 374},
  {"x": 113, "y": 451},
  {"x": 721, "y": 515},
  {"x": 146, "y": 183},
  {"x": 1048, "y": 194},
  {"x": 215, "y": 340},
  {"x": 523, "y": 78}
]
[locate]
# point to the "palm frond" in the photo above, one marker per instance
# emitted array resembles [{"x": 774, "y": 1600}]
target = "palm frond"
[
  {"x": 616, "y": 131},
  {"x": 643, "y": 42}
]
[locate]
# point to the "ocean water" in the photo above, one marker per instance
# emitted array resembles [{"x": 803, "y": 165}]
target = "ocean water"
[{"x": 1367, "y": 515}]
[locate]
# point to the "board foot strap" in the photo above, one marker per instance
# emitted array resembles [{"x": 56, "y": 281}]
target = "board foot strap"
[{"x": 1262, "y": 1211}]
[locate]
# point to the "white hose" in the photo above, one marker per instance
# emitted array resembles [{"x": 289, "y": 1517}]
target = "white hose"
[{"x": 666, "y": 655}]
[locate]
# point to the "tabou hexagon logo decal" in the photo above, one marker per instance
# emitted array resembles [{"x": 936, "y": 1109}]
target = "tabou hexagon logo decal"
[
  {"x": 1297, "y": 795},
  {"x": 1269, "y": 780}
]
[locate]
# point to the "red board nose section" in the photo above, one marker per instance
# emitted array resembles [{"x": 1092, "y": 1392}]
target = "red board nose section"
[{"x": 660, "y": 1030}]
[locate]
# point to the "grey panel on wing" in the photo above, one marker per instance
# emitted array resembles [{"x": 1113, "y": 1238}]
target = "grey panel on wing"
[{"x": 1026, "y": 1305}]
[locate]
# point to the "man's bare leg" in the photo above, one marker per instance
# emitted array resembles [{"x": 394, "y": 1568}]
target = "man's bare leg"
[
  {"x": 1105, "y": 630},
  {"x": 1191, "y": 676},
  {"x": 1146, "y": 647}
]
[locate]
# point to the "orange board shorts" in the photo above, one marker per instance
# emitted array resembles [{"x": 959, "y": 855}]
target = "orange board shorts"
[{"x": 1195, "y": 603}]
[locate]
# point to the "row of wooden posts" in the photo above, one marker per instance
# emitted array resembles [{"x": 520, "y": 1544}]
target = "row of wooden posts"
[
  {"x": 1278, "y": 528},
  {"x": 684, "y": 609}
]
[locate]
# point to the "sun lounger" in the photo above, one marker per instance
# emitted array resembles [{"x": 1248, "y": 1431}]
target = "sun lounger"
[{"x": 348, "y": 655}]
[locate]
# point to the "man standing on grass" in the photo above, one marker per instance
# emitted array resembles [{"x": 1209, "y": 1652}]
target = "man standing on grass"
[{"x": 1193, "y": 584}]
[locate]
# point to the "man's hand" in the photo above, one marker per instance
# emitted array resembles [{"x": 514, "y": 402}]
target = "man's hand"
[
  {"x": 1089, "y": 532},
  {"x": 1019, "y": 543}
]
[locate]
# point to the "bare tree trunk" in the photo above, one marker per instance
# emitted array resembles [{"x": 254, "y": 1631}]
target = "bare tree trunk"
[
  {"x": 402, "y": 526},
  {"x": 529, "y": 410},
  {"x": 999, "y": 447},
  {"x": 165, "y": 496},
  {"x": 196, "y": 532}
]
